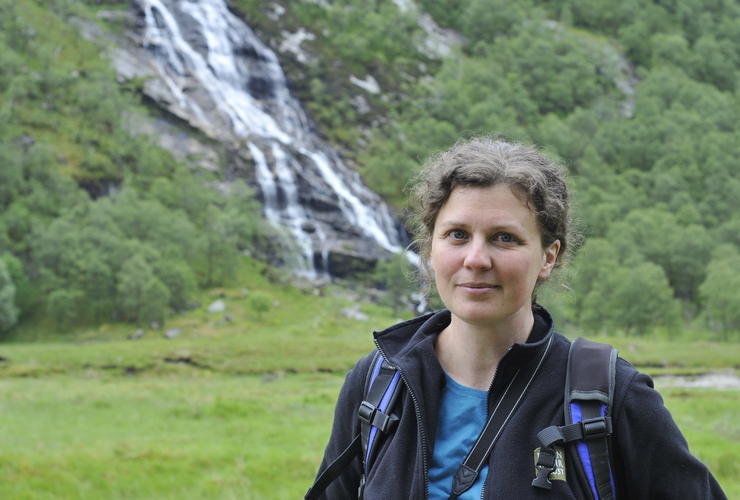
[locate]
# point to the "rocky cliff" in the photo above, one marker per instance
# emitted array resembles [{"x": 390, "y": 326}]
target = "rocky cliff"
[{"x": 228, "y": 108}]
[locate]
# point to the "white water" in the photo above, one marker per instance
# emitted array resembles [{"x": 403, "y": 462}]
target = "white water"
[{"x": 273, "y": 123}]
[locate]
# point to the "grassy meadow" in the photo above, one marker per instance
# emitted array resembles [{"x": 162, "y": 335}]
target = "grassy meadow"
[{"x": 240, "y": 407}]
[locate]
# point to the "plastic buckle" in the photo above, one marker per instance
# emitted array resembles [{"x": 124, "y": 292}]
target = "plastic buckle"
[
  {"x": 545, "y": 465},
  {"x": 543, "y": 478},
  {"x": 594, "y": 428},
  {"x": 367, "y": 412}
]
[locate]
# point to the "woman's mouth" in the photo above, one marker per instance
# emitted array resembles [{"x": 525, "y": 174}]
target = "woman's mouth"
[{"x": 476, "y": 288}]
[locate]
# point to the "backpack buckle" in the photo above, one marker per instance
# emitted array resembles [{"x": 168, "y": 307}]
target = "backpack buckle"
[
  {"x": 594, "y": 428},
  {"x": 372, "y": 415},
  {"x": 367, "y": 412},
  {"x": 545, "y": 465}
]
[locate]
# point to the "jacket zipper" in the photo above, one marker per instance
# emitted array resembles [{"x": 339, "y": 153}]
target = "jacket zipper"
[
  {"x": 417, "y": 409},
  {"x": 542, "y": 358},
  {"x": 488, "y": 410}
]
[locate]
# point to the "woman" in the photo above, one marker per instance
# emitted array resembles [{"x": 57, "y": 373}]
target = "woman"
[{"x": 492, "y": 224}]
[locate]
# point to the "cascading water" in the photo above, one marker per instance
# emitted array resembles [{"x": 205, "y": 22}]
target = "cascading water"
[{"x": 223, "y": 77}]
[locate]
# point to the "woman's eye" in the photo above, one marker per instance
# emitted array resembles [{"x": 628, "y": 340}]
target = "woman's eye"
[
  {"x": 457, "y": 234},
  {"x": 506, "y": 238}
]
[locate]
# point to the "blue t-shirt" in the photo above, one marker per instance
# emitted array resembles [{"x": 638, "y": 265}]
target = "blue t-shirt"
[{"x": 462, "y": 416}]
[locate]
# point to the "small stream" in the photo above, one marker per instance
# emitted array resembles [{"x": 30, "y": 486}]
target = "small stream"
[{"x": 717, "y": 380}]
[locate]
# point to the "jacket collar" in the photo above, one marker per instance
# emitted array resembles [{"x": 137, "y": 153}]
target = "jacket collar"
[
  {"x": 409, "y": 346},
  {"x": 418, "y": 335}
]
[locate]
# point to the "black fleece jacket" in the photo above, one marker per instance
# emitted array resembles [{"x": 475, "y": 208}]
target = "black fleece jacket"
[{"x": 652, "y": 457}]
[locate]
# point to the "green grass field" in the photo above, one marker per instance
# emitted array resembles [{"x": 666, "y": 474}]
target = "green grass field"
[
  {"x": 242, "y": 409},
  {"x": 177, "y": 436}
]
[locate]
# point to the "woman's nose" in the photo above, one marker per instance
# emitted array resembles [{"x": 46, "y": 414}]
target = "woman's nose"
[{"x": 478, "y": 255}]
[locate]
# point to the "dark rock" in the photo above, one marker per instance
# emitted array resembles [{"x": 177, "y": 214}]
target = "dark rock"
[{"x": 344, "y": 263}]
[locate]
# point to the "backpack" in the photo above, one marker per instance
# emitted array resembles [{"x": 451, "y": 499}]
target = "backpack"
[
  {"x": 589, "y": 393},
  {"x": 589, "y": 398}
]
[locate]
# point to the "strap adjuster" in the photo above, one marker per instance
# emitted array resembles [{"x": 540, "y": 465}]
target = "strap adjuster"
[
  {"x": 367, "y": 412},
  {"x": 372, "y": 415},
  {"x": 594, "y": 428}
]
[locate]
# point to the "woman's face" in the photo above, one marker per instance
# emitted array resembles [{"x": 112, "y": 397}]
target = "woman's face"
[{"x": 487, "y": 255}]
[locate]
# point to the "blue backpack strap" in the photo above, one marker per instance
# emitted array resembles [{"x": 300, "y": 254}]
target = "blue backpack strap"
[
  {"x": 589, "y": 395},
  {"x": 382, "y": 387}
]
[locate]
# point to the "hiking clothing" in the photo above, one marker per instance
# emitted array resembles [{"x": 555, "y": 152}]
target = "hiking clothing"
[
  {"x": 463, "y": 413},
  {"x": 652, "y": 460}
]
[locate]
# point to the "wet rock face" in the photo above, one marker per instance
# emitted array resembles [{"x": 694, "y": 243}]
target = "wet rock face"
[
  {"x": 346, "y": 262},
  {"x": 206, "y": 67}
]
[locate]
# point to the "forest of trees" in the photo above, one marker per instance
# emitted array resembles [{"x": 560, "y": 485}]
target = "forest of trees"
[{"x": 639, "y": 98}]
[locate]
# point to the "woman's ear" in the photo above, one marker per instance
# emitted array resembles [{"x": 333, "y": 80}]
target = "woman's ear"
[{"x": 549, "y": 259}]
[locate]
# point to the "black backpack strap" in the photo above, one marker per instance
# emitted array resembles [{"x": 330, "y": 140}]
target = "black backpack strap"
[
  {"x": 500, "y": 416},
  {"x": 589, "y": 395},
  {"x": 382, "y": 388},
  {"x": 334, "y": 470}
]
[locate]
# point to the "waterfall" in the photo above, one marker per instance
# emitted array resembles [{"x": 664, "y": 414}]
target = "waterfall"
[{"x": 229, "y": 84}]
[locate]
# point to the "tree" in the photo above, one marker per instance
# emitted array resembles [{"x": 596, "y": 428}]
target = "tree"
[
  {"x": 62, "y": 306},
  {"x": 179, "y": 280},
  {"x": 721, "y": 290},
  {"x": 487, "y": 19},
  {"x": 25, "y": 298},
  {"x": 8, "y": 309},
  {"x": 156, "y": 298},
  {"x": 97, "y": 281},
  {"x": 259, "y": 302},
  {"x": 134, "y": 278},
  {"x": 395, "y": 277},
  {"x": 634, "y": 298},
  {"x": 655, "y": 233},
  {"x": 644, "y": 299}
]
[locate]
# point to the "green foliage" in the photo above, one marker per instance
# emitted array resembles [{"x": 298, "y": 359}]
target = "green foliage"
[
  {"x": 179, "y": 282},
  {"x": 25, "y": 298},
  {"x": 395, "y": 276},
  {"x": 651, "y": 136},
  {"x": 369, "y": 33},
  {"x": 601, "y": 15},
  {"x": 721, "y": 289},
  {"x": 681, "y": 251},
  {"x": 484, "y": 20},
  {"x": 445, "y": 13},
  {"x": 156, "y": 298},
  {"x": 633, "y": 299},
  {"x": 260, "y": 303},
  {"x": 111, "y": 248},
  {"x": 622, "y": 291},
  {"x": 134, "y": 278},
  {"x": 651, "y": 140},
  {"x": 62, "y": 133},
  {"x": 8, "y": 309},
  {"x": 62, "y": 307}
]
